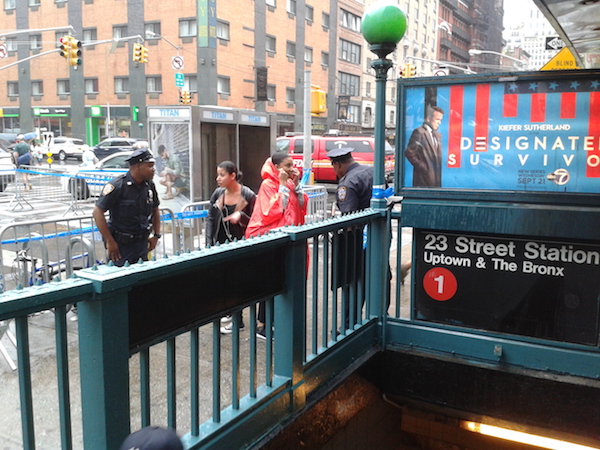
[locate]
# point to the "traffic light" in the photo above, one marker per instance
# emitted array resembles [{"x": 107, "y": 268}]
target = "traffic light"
[
  {"x": 65, "y": 46},
  {"x": 75, "y": 52},
  {"x": 144, "y": 56},
  {"x": 185, "y": 97},
  {"x": 318, "y": 101},
  {"x": 408, "y": 71},
  {"x": 137, "y": 53}
]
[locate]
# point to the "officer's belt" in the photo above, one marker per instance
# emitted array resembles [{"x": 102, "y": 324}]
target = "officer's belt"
[{"x": 126, "y": 238}]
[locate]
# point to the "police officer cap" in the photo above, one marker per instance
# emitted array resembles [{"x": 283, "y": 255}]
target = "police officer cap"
[
  {"x": 152, "y": 438},
  {"x": 339, "y": 152},
  {"x": 140, "y": 156}
]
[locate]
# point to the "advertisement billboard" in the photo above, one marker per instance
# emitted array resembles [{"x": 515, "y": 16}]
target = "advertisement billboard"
[{"x": 511, "y": 133}]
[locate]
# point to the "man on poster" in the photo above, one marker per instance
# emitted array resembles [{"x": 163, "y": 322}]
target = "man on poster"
[{"x": 424, "y": 150}]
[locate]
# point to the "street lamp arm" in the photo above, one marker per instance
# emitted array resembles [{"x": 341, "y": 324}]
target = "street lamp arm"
[
  {"x": 30, "y": 57},
  {"x": 36, "y": 30},
  {"x": 150, "y": 33},
  {"x": 474, "y": 51},
  {"x": 441, "y": 63}
]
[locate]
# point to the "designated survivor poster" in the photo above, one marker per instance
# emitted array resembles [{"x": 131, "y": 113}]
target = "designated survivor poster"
[{"x": 516, "y": 134}]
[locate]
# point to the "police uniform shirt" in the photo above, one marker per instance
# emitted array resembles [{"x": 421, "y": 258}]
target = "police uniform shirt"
[
  {"x": 130, "y": 204},
  {"x": 354, "y": 189}
]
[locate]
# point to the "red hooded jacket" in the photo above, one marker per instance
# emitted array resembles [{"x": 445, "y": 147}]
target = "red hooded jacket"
[{"x": 268, "y": 210}]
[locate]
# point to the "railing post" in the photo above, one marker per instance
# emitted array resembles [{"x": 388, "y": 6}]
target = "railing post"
[
  {"x": 290, "y": 313},
  {"x": 104, "y": 365}
]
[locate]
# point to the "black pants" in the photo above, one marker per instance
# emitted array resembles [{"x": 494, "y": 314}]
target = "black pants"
[{"x": 133, "y": 252}]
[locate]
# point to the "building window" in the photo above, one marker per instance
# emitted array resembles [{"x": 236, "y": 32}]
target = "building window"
[
  {"x": 350, "y": 21},
  {"x": 270, "y": 3},
  {"x": 119, "y": 31},
  {"x": 349, "y": 51},
  {"x": 271, "y": 44},
  {"x": 121, "y": 85},
  {"x": 12, "y": 87},
  {"x": 271, "y": 92},
  {"x": 353, "y": 113},
  {"x": 310, "y": 14},
  {"x": 392, "y": 116},
  {"x": 187, "y": 27},
  {"x": 222, "y": 30},
  {"x": 348, "y": 84},
  {"x": 89, "y": 35},
  {"x": 308, "y": 54},
  {"x": 325, "y": 59},
  {"x": 153, "y": 84},
  {"x": 223, "y": 85},
  {"x": 291, "y": 6},
  {"x": 10, "y": 4},
  {"x": 368, "y": 89},
  {"x": 63, "y": 87},
  {"x": 190, "y": 83},
  {"x": 290, "y": 49},
  {"x": 35, "y": 41},
  {"x": 325, "y": 19},
  {"x": 290, "y": 95},
  {"x": 37, "y": 88},
  {"x": 91, "y": 85},
  {"x": 152, "y": 30},
  {"x": 11, "y": 44},
  {"x": 35, "y": 2}
]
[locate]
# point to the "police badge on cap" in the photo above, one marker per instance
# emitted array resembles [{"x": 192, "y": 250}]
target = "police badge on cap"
[{"x": 140, "y": 156}]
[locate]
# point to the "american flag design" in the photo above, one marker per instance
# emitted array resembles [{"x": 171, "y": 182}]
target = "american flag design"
[{"x": 517, "y": 134}]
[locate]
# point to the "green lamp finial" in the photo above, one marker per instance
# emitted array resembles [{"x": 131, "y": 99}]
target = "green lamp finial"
[{"x": 383, "y": 23}]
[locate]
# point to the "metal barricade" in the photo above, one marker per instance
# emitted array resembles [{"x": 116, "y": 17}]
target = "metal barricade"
[
  {"x": 36, "y": 252},
  {"x": 317, "y": 203},
  {"x": 190, "y": 224}
]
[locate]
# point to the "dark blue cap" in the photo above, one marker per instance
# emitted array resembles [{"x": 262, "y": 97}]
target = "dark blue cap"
[
  {"x": 339, "y": 152},
  {"x": 152, "y": 438},
  {"x": 140, "y": 156}
]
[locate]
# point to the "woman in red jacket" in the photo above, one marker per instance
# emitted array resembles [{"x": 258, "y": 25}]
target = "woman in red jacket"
[{"x": 280, "y": 202}]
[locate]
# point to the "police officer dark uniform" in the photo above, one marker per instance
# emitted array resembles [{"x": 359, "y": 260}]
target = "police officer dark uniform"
[
  {"x": 356, "y": 181},
  {"x": 133, "y": 204}
]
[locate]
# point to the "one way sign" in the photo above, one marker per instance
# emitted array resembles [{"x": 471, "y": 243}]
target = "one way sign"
[{"x": 554, "y": 43}]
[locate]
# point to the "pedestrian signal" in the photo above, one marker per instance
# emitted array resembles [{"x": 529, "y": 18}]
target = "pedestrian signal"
[{"x": 318, "y": 101}]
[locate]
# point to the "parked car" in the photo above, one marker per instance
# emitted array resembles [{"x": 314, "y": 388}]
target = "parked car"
[
  {"x": 65, "y": 147},
  {"x": 7, "y": 168},
  {"x": 114, "y": 145},
  {"x": 89, "y": 181},
  {"x": 321, "y": 166}
]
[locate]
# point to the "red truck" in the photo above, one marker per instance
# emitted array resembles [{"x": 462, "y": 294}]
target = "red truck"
[{"x": 321, "y": 166}]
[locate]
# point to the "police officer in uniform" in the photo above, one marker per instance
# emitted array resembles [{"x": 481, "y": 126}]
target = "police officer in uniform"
[
  {"x": 356, "y": 181},
  {"x": 133, "y": 204}
]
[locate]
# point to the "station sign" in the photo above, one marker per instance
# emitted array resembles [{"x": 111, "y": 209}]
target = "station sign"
[{"x": 525, "y": 286}]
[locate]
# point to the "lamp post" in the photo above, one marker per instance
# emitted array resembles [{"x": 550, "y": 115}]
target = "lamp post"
[{"x": 383, "y": 26}]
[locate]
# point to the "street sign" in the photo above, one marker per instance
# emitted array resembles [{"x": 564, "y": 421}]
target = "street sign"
[
  {"x": 177, "y": 62},
  {"x": 563, "y": 60},
  {"x": 441, "y": 72},
  {"x": 554, "y": 43},
  {"x": 179, "y": 79},
  {"x": 3, "y": 51}
]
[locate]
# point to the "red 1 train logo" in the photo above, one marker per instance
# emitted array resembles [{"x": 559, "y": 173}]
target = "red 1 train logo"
[{"x": 440, "y": 284}]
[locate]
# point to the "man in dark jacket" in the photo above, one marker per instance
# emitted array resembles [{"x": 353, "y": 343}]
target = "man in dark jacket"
[{"x": 424, "y": 150}]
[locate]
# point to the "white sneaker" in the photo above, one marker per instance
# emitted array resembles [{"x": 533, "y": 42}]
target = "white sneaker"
[
  {"x": 225, "y": 319},
  {"x": 228, "y": 329}
]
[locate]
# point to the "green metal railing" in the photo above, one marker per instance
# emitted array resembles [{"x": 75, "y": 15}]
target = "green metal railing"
[{"x": 150, "y": 351}]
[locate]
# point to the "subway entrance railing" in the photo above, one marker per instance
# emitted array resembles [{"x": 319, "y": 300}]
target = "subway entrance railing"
[{"x": 150, "y": 351}]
